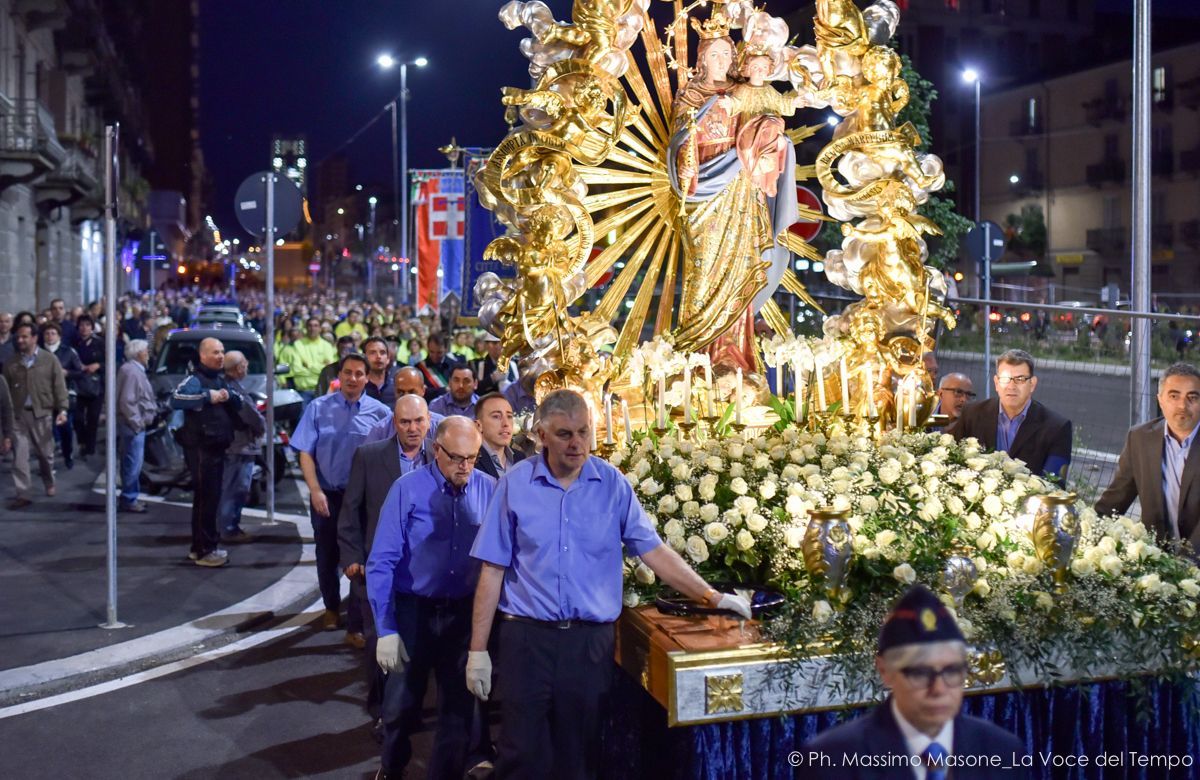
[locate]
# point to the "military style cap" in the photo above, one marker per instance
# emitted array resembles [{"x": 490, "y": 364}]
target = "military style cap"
[{"x": 919, "y": 617}]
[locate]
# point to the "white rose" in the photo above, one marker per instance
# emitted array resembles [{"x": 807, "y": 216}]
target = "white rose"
[
  {"x": 868, "y": 504},
  {"x": 697, "y": 550},
  {"x": 791, "y": 472},
  {"x": 886, "y": 538},
  {"x": 977, "y": 464},
  {"x": 1107, "y": 545},
  {"x": 716, "y": 532},
  {"x": 744, "y": 540},
  {"x": 768, "y": 490},
  {"x": 1135, "y": 551},
  {"x": 971, "y": 491},
  {"x": 674, "y": 528},
  {"x": 1032, "y": 566},
  {"x": 690, "y": 509},
  {"x": 793, "y": 537},
  {"x": 796, "y": 506},
  {"x": 631, "y": 599},
  {"x": 1082, "y": 567},
  {"x": 683, "y": 492},
  {"x": 714, "y": 464},
  {"x": 955, "y": 505},
  {"x": 1190, "y": 587},
  {"x": 644, "y": 574},
  {"x": 1044, "y": 601},
  {"x": 778, "y": 452},
  {"x": 677, "y": 543},
  {"x": 735, "y": 451},
  {"x": 993, "y": 505},
  {"x": 822, "y": 613},
  {"x": 737, "y": 470},
  {"x": 761, "y": 461},
  {"x": 1015, "y": 560},
  {"x": 982, "y": 587},
  {"x": 681, "y": 471},
  {"x": 756, "y": 522},
  {"x": 888, "y": 475},
  {"x": 709, "y": 512},
  {"x": 841, "y": 504},
  {"x": 985, "y": 541},
  {"x": 973, "y": 521},
  {"x": 1009, "y": 497},
  {"x": 739, "y": 486},
  {"x": 1149, "y": 582},
  {"x": 667, "y": 505},
  {"x": 1111, "y": 564},
  {"x": 905, "y": 574},
  {"x": 732, "y": 517},
  {"x": 649, "y": 487},
  {"x": 930, "y": 510},
  {"x": 745, "y": 504}
]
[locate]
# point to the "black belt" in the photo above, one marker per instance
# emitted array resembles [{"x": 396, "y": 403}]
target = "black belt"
[{"x": 552, "y": 623}]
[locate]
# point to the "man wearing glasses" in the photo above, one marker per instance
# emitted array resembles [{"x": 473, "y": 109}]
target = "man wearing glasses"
[
  {"x": 421, "y": 581},
  {"x": 920, "y": 731},
  {"x": 1013, "y": 422},
  {"x": 954, "y": 392}
]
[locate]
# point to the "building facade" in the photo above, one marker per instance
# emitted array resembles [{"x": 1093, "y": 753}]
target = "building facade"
[{"x": 1064, "y": 146}]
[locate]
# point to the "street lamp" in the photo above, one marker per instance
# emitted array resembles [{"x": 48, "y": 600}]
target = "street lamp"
[
  {"x": 971, "y": 76},
  {"x": 400, "y": 154}
]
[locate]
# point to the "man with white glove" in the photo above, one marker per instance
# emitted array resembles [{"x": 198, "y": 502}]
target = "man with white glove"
[
  {"x": 551, "y": 546},
  {"x": 420, "y": 581}
]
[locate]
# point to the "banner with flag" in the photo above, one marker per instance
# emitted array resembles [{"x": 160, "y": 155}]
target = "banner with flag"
[
  {"x": 441, "y": 233},
  {"x": 482, "y": 229}
]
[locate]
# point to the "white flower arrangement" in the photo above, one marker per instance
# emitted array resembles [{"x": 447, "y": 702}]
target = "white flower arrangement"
[{"x": 913, "y": 500}]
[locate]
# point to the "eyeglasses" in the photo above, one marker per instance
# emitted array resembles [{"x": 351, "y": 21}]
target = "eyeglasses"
[
  {"x": 1007, "y": 380},
  {"x": 923, "y": 676},
  {"x": 459, "y": 460},
  {"x": 959, "y": 392}
]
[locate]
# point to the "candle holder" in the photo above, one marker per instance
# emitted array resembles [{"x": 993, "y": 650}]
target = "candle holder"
[
  {"x": 687, "y": 428},
  {"x": 606, "y": 449},
  {"x": 710, "y": 426},
  {"x": 737, "y": 427},
  {"x": 818, "y": 422},
  {"x": 659, "y": 433}
]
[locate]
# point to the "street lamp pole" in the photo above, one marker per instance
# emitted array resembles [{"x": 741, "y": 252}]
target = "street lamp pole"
[
  {"x": 403, "y": 161},
  {"x": 972, "y": 76},
  {"x": 400, "y": 159},
  {"x": 397, "y": 215}
]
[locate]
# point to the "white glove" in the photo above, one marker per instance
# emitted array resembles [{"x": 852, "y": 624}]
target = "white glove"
[
  {"x": 734, "y": 603},
  {"x": 479, "y": 673},
  {"x": 390, "y": 653}
]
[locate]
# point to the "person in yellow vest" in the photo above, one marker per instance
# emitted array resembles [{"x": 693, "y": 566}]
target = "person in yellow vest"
[
  {"x": 352, "y": 323},
  {"x": 310, "y": 354}
]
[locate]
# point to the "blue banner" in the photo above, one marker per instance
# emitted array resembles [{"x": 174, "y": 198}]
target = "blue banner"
[{"x": 482, "y": 229}]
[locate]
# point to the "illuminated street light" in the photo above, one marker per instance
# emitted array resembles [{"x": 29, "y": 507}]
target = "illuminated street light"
[
  {"x": 1014, "y": 179},
  {"x": 385, "y": 61},
  {"x": 420, "y": 62},
  {"x": 970, "y": 76}
]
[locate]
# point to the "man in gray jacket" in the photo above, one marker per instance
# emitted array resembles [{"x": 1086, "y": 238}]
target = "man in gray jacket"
[
  {"x": 239, "y": 458},
  {"x": 39, "y": 396},
  {"x": 135, "y": 413}
]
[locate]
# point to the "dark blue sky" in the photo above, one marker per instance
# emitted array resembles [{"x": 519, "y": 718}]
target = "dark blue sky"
[{"x": 307, "y": 66}]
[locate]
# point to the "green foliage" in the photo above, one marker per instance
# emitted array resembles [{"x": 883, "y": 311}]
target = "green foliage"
[{"x": 1026, "y": 232}]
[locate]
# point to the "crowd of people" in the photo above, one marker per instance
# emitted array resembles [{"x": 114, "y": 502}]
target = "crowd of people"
[{"x": 461, "y": 547}]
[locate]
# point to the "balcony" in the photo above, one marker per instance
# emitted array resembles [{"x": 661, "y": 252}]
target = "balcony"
[
  {"x": 1190, "y": 232},
  {"x": 29, "y": 146},
  {"x": 42, "y": 14},
  {"x": 1104, "y": 109},
  {"x": 1188, "y": 93},
  {"x": 73, "y": 180},
  {"x": 1162, "y": 235},
  {"x": 1106, "y": 172},
  {"x": 1189, "y": 161},
  {"x": 1021, "y": 128},
  {"x": 1162, "y": 163},
  {"x": 1107, "y": 241}
]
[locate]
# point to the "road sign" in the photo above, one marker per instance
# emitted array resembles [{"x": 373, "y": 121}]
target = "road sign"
[
  {"x": 250, "y": 205},
  {"x": 805, "y": 229},
  {"x": 985, "y": 242}
]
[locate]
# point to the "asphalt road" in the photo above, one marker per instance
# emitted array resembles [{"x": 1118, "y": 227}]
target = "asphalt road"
[{"x": 290, "y": 708}]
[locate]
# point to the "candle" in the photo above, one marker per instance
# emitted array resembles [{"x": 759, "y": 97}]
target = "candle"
[
  {"x": 819, "y": 374},
  {"x": 687, "y": 395},
  {"x": 868, "y": 383},
  {"x": 593, "y": 429},
  {"x": 608, "y": 426},
  {"x": 662, "y": 402},
  {"x": 737, "y": 398},
  {"x": 712, "y": 390},
  {"x": 912, "y": 408},
  {"x": 799, "y": 388},
  {"x": 628, "y": 427},
  {"x": 845, "y": 386},
  {"x": 779, "y": 380}
]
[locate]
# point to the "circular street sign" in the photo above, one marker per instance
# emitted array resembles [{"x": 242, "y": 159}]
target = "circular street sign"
[
  {"x": 250, "y": 205},
  {"x": 986, "y": 238},
  {"x": 804, "y": 228}
]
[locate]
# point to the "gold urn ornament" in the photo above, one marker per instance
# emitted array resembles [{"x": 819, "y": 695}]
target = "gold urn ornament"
[
  {"x": 1054, "y": 527},
  {"x": 828, "y": 548}
]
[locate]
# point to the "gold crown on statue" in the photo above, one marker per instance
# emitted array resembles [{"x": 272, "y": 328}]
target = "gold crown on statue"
[{"x": 715, "y": 27}]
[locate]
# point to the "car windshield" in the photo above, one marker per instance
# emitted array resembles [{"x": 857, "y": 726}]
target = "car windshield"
[{"x": 178, "y": 356}]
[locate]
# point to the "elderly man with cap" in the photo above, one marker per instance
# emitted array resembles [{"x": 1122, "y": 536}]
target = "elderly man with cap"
[
  {"x": 552, "y": 545},
  {"x": 421, "y": 578},
  {"x": 920, "y": 730},
  {"x": 489, "y": 378}
]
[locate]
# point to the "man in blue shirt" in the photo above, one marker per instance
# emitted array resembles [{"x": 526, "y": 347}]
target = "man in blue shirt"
[
  {"x": 332, "y": 428},
  {"x": 461, "y": 397},
  {"x": 1160, "y": 465},
  {"x": 421, "y": 579},
  {"x": 551, "y": 547}
]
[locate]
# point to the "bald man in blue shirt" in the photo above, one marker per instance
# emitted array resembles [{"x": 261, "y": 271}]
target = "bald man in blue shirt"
[{"x": 551, "y": 548}]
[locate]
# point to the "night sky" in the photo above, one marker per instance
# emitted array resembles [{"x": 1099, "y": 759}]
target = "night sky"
[{"x": 308, "y": 66}]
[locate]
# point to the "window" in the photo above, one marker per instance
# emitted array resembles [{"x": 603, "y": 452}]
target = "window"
[
  {"x": 1112, "y": 211},
  {"x": 1032, "y": 117},
  {"x": 1158, "y": 208},
  {"x": 1031, "y": 162},
  {"x": 1160, "y": 140},
  {"x": 1160, "y": 95}
]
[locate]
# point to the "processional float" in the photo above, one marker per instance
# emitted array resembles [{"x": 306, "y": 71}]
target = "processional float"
[{"x": 694, "y": 172}]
